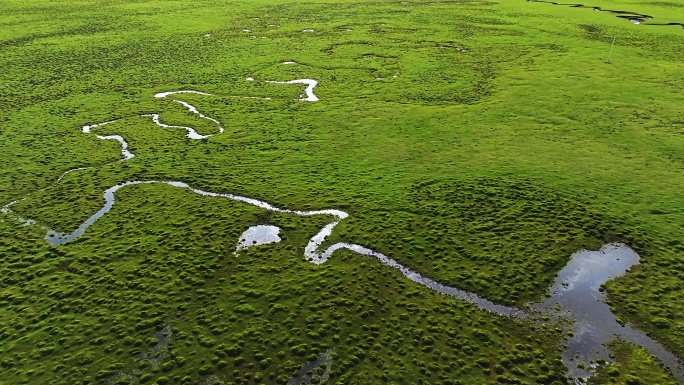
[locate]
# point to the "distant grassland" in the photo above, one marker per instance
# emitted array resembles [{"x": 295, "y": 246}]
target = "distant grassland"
[{"x": 479, "y": 143}]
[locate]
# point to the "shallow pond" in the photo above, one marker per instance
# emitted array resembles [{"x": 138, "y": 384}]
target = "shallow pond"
[
  {"x": 258, "y": 235},
  {"x": 576, "y": 294},
  {"x": 320, "y": 367}
]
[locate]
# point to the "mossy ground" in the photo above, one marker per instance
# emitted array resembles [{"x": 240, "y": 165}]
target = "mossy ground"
[
  {"x": 634, "y": 367},
  {"x": 503, "y": 144},
  {"x": 81, "y": 315}
]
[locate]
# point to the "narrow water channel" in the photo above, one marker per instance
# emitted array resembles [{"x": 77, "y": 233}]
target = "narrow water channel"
[
  {"x": 575, "y": 293},
  {"x": 634, "y": 17}
]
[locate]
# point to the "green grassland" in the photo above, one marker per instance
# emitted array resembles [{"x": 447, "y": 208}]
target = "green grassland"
[
  {"x": 79, "y": 316},
  {"x": 479, "y": 143},
  {"x": 634, "y": 366}
]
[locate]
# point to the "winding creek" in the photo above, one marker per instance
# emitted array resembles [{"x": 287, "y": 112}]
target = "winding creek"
[
  {"x": 634, "y": 17},
  {"x": 575, "y": 292}
]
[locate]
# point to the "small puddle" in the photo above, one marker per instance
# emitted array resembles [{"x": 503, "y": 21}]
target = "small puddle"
[
  {"x": 317, "y": 370},
  {"x": 213, "y": 380},
  {"x": 258, "y": 235},
  {"x": 157, "y": 353},
  {"x": 155, "y": 356},
  {"x": 576, "y": 295}
]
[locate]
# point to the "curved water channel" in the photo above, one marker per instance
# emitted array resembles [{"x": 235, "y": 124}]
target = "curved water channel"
[
  {"x": 575, "y": 290},
  {"x": 634, "y": 17}
]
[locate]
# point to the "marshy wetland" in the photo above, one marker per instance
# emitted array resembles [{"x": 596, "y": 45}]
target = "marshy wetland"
[
  {"x": 448, "y": 167},
  {"x": 634, "y": 17}
]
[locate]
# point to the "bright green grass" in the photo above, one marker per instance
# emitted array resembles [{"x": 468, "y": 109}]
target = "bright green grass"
[
  {"x": 634, "y": 367},
  {"x": 504, "y": 143}
]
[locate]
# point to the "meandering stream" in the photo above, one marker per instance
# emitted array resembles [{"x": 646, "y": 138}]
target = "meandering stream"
[
  {"x": 576, "y": 288},
  {"x": 634, "y": 17}
]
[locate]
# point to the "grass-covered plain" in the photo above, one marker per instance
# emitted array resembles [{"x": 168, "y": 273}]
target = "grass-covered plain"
[
  {"x": 81, "y": 315},
  {"x": 634, "y": 366},
  {"x": 479, "y": 143}
]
